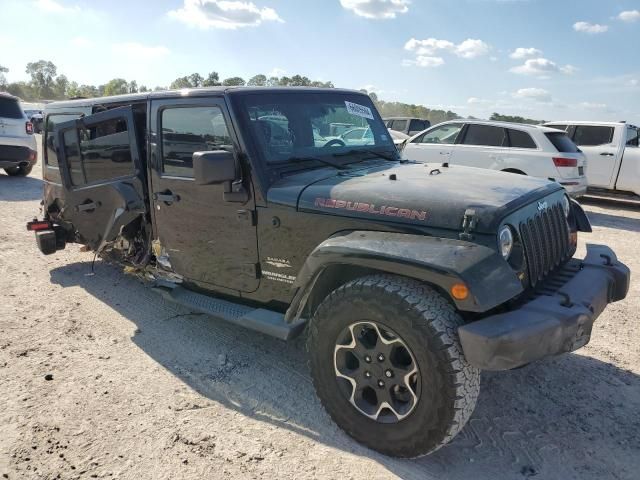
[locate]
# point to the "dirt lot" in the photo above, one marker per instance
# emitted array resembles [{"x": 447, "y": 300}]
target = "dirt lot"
[{"x": 144, "y": 389}]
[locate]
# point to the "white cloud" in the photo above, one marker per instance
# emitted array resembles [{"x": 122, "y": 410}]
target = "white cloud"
[
  {"x": 276, "y": 72},
  {"x": 629, "y": 16},
  {"x": 54, "y": 7},
  {"x": 138, "y": 51},
  {"x": 376, "y": 9},
  {"x": 587, "y": 27},
  {"x": 522, "y": 53},
  {"x": 634, "y": 82},
  {"x": 81, "y": 42},
  {"x": 478, "y": 101},
  {"x": 427, "y": 50},
  {"x": 471, "y": 48},
  {"x": 594, "y": 106},
  {"x": 537, "y": 94},
  {"x": 424, "y": 61},
  {"x": 542, "y": 67},
  {"x": 225, "y": 14}
]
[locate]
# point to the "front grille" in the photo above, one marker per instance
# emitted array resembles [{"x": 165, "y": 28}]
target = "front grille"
[{"x": 545, "y": 238}]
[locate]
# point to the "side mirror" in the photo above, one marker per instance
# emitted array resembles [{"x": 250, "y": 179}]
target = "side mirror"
[{"x": 218, "y": 166}]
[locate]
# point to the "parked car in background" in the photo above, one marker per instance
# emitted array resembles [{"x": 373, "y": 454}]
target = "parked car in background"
[
  {"x": 18, "y": 150},
  {"x": 363, "y": 135},
  {"x": 523, "y": 149},
  {"x": 407, "y": 125},
  {"x": 612, "y": 153}
]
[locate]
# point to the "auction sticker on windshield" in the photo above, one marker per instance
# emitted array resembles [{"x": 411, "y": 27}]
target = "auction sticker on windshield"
[{"x": 359, "y": 110}]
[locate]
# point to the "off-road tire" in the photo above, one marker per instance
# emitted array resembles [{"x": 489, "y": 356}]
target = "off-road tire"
[
  {"x": 19, "y": 171},
  {"x": 428, "y": 324}
]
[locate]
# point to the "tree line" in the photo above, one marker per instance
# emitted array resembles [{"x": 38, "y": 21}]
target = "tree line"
[{"x": 47, "y": 84}]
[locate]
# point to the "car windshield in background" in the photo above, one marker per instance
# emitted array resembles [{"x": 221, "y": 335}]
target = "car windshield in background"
[
  {"x": 10, "y": 108},
  {"x": 562, "y": 142},
  {"x": 294, "y": 126}
]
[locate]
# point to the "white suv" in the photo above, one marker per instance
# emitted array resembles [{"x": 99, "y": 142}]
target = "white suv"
[
  {"x": 18, "y": 150},
  {"x": 515, "y": 148}
]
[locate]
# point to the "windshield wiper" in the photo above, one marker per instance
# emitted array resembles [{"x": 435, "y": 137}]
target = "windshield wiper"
[
  {"x": 317, "y": 159},
  {"x": 368, "y": 152}
]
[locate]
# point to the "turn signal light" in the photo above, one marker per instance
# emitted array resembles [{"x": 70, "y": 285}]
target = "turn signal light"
[
  {"x": 459, "y": 291},
  {"x": 29, "y": 128},
  {"x": 565, "y": 162}
]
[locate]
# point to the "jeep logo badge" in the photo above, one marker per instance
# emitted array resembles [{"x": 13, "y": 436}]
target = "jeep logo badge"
[{"x": 542, "y": 206}]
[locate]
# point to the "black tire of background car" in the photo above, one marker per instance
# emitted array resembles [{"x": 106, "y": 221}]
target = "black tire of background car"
[
  {"x": 428, "y": 324},
  {"x": 19, "y": 171}
]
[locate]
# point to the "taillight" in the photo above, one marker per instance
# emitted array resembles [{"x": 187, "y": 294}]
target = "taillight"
[
  {"x": 38, "y": 225},
  {"x": 565, "y": 162},
  {"x": 29, "y": 128}
]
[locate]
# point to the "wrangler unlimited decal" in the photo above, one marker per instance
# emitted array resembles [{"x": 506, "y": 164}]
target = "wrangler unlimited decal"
[{"x": 389, "y": 211}]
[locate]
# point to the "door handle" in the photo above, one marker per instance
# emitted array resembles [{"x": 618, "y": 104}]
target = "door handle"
[
  {"x": 85, "y": 207},
  {"x": 607, "y": 154},
  {"x": 167, "y": 197},
  {"x": 445, "y": 153}
]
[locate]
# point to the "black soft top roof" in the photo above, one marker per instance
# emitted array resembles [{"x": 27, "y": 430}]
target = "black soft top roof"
[{"x": 191, "y": 92}]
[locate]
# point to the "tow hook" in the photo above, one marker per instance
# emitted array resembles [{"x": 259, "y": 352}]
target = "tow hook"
[{"x": 468, "y": 224}]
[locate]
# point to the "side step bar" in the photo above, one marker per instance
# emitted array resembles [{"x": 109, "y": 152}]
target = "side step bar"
[{"x": 259, "y": 319}]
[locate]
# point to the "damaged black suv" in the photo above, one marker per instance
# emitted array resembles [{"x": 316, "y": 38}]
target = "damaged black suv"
[{"x": 257, "y": 206}]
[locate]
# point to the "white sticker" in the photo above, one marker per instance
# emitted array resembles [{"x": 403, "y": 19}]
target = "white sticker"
[{"x": 359, "y": 110}]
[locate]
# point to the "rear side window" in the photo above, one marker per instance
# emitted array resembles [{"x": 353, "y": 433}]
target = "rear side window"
[
  {"x": 632, "y": 136},
  {"x": 418, "y": 125},
  {"x": 520, "y": 139},
  {"x": 186, "y": 130},
  {"x": 562, "y": 142},
  {"x": 485, "y": 135},
  {"x": 588, "y": 135},
  {"x": 50, "y": 141},
  {"x": 10, "y": 108},
  {"x": 399, "y": 125}
]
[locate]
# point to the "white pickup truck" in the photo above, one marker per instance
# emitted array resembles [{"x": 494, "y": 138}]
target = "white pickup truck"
[{"x": 612, "y": 151}]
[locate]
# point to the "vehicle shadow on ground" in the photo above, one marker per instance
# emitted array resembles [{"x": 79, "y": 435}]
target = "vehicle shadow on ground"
[
  {"x": 614, "y": 221},
  {"x": 19, "y": 189},
  {"x": 568, "y": 417}
]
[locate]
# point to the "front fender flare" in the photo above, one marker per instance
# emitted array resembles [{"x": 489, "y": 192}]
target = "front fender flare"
[{"x": 438, "y": 261}]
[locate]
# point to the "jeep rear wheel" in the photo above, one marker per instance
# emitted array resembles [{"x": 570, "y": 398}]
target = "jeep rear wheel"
[{"x": 388, "y": 367}]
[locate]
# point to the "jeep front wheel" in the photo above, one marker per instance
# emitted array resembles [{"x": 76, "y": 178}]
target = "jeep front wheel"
[{"x": 388, "y": 367}]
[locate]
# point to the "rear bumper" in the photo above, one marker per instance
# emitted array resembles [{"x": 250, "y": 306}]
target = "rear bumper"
[
  {"x": 575, "y": 188},
  {"x": 17, "y": 155},
  {"x": 549, "y": 324}
]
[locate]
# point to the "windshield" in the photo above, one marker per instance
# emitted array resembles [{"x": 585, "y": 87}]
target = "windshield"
[{"x": 293, "y": 126}]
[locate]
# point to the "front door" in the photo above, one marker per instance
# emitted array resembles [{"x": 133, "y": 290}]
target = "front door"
[
  {"x": 102, "y": 174},
  {"x": 208, "y": 237}
]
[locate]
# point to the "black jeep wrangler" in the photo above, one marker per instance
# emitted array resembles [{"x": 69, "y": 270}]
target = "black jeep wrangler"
[{"x": 411, "y": 277}]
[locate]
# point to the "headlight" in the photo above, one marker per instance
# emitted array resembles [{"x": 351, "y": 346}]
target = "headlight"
[
  {"x": 505, "y": 241},
  {"x": 566, "y": 206}
]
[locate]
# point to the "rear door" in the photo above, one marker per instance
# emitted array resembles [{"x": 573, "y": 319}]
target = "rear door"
[
  {"x": 102, "y": 174},
  {"x": 435, "y": 145},
  {"x": 601, "y": 149},
  {"x": 482, "y": 146}
]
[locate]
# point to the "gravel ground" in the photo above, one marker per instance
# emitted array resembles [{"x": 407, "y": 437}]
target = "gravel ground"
[{"x": 99, "y": 377}]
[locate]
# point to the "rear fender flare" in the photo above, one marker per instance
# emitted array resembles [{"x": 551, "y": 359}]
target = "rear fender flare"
[{"x": 440, "y": 262}]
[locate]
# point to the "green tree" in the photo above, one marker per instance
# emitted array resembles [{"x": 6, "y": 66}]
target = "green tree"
[
  {"x": 116, "y": 86},
  {"x": 181, "y": 82},
  {"x": 233, "y": 82},
  {"x": 212, "y": 80},
  {"x": 514, "y": 119},
  {"x": 257, "y": 81},
  {"x": 196, "y": 80},
  {"x": 60, "y": 87},
  {"x": 3, "y": 79},
  {"x": 143, "y": 89},
  {"x": 43, "y": 74}
]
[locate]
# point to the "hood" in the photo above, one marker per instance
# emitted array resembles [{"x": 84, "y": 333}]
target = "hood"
[{"x": 428, "y": 195}]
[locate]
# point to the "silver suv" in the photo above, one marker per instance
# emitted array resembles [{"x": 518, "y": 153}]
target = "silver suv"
[{"x": 18, "y": 151}]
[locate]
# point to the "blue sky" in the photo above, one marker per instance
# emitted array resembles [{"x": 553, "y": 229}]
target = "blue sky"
[{"x": 550, "y": 59}]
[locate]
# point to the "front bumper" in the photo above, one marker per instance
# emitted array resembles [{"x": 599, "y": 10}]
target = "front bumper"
[{"x": 549, "y": 324}]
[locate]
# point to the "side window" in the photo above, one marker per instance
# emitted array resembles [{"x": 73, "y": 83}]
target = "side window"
[
  {"x": 186, "y": 130},
  {"x": 417, "y": 126},
  {"x": 632, "y": 136},
  {"x": 105, "y": 151},
  {"x": 399, "y": 125},
  {"x": 446, "y": 134},
  {"x": 589, "y": 136},
  {"x": 520, "y": 139},
  {"x": 486, "y": 135},
  {"x": 99, "y": 152},
  {"x": 50, "y": 140}
]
